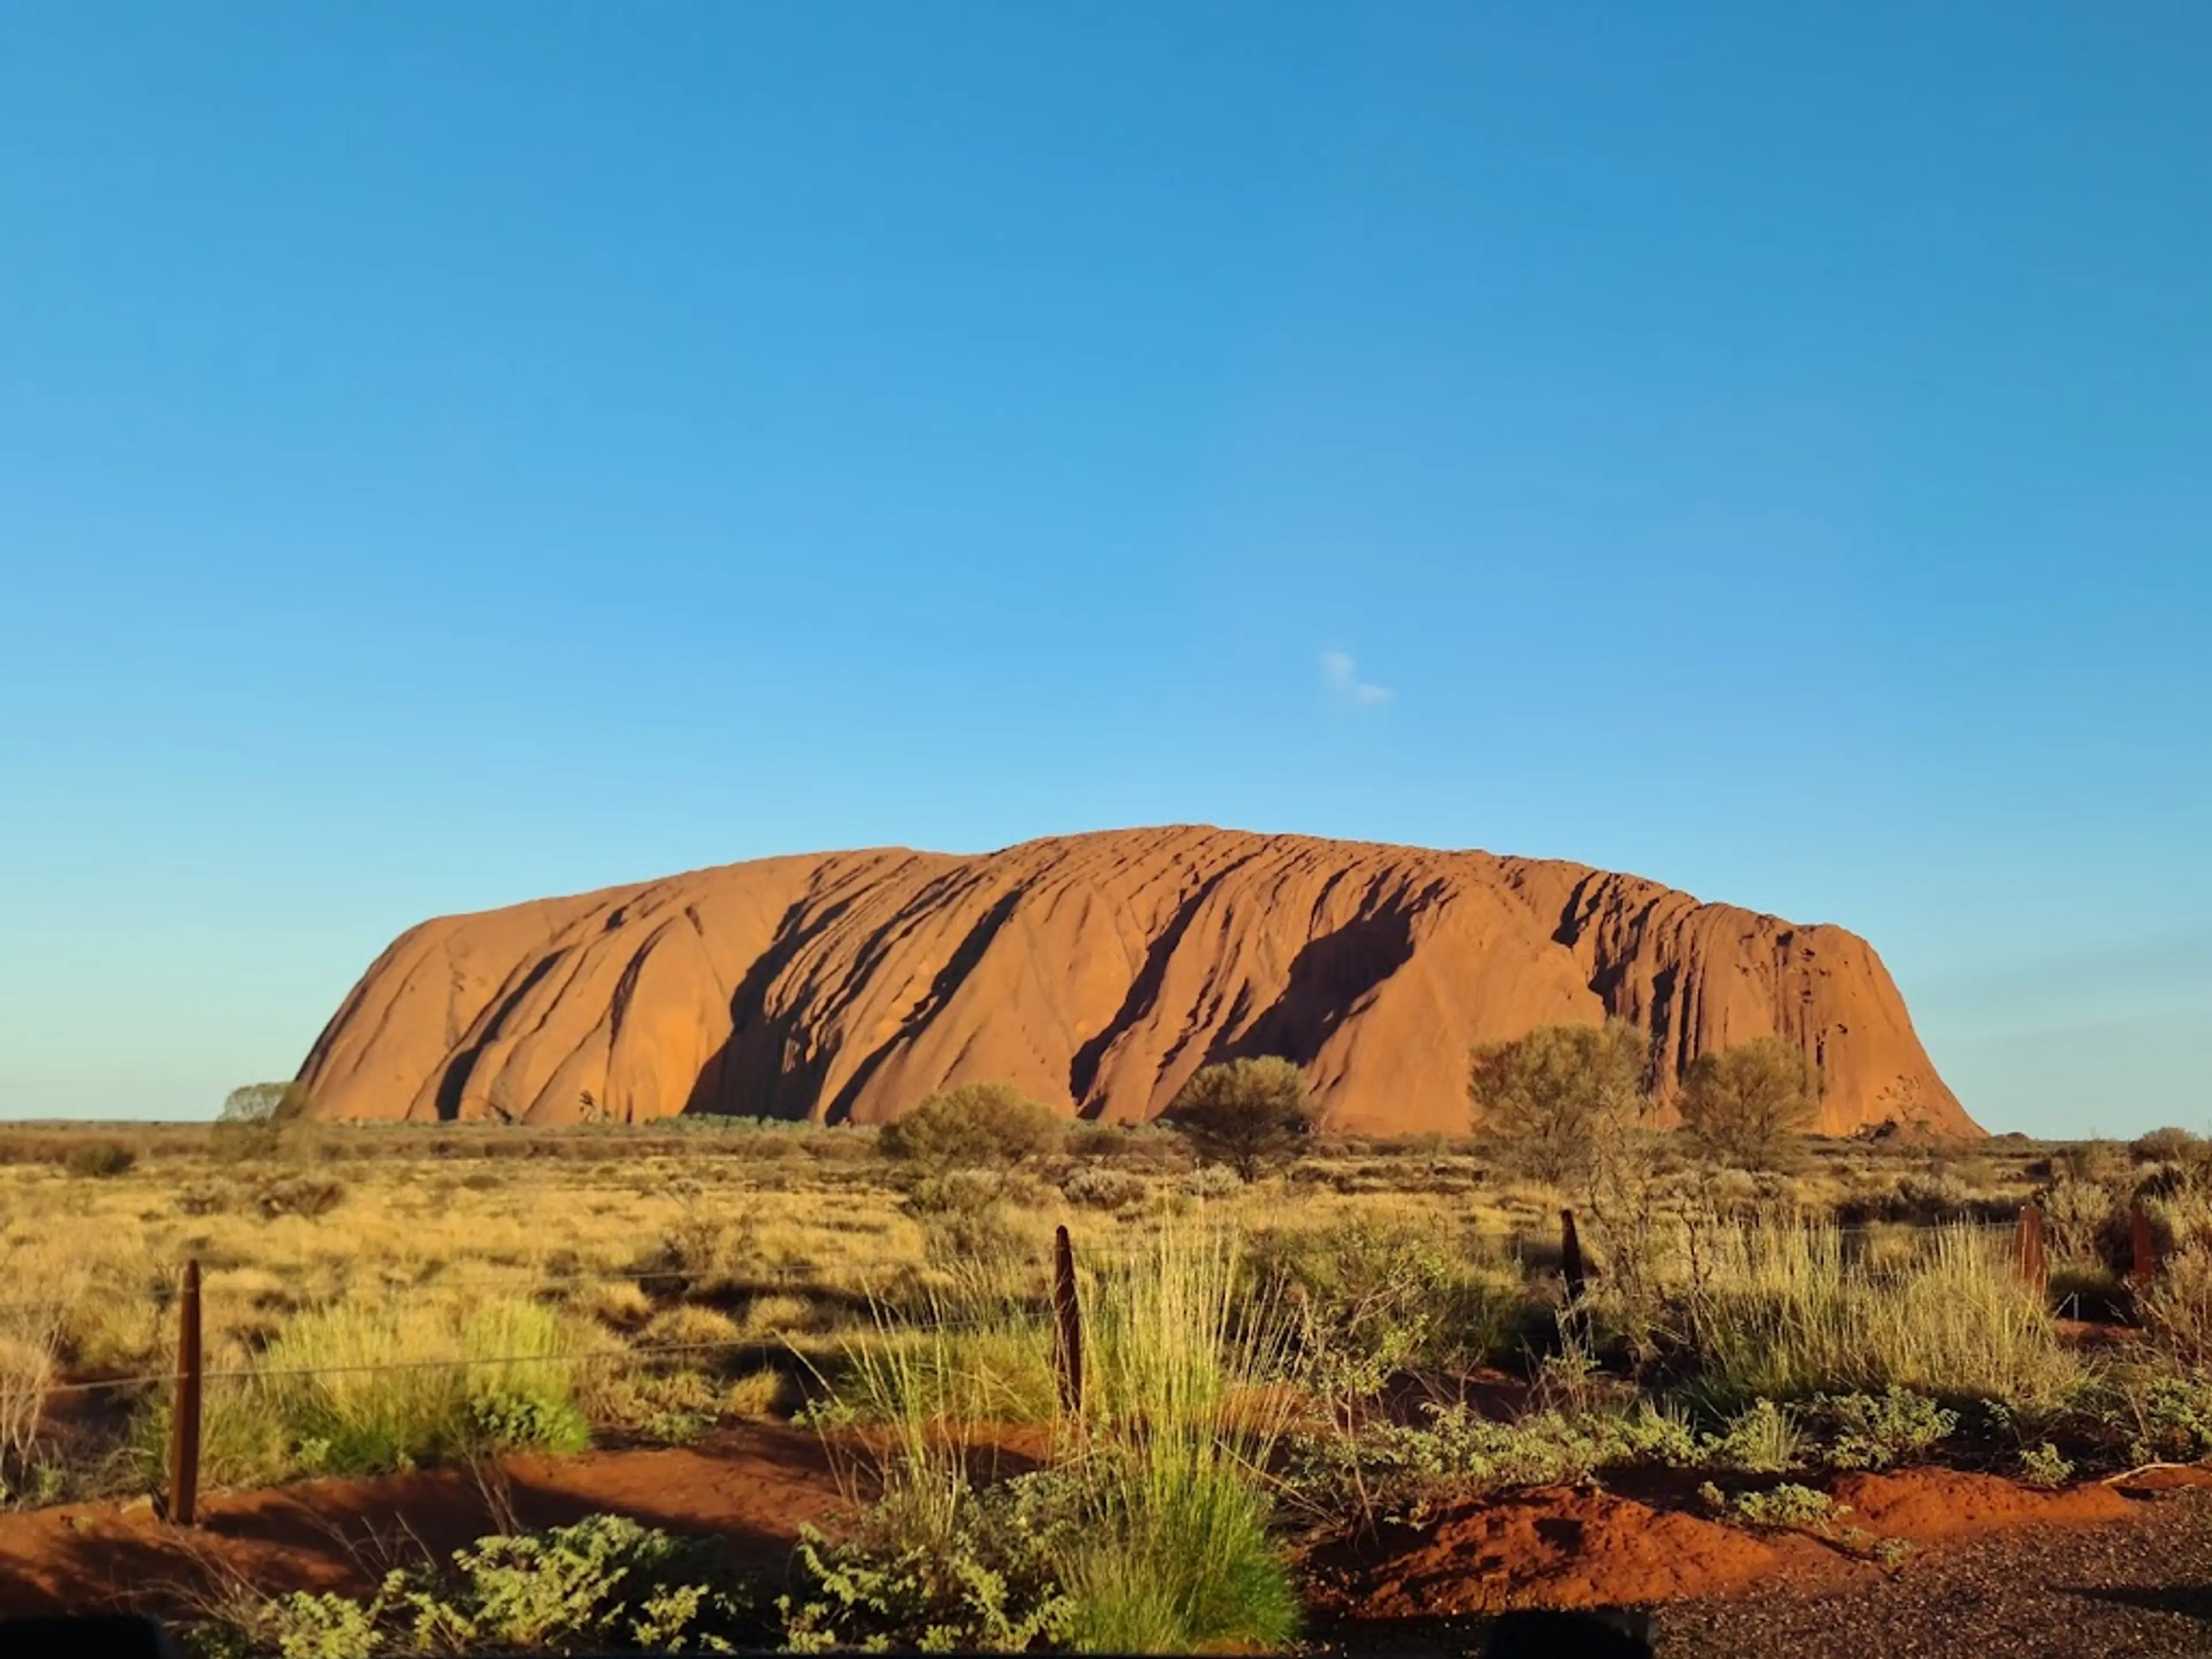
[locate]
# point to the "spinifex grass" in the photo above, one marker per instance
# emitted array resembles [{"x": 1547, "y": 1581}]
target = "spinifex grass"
[
  {"x": 1185, "y": 1399},
  {"x": 1152, "y": 1523},
  {"x": 350, "y": 1388},
  {"x": 1788, "y": 1311}
]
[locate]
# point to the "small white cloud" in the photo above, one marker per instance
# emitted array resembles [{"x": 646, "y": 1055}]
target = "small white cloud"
[{"x": 1341, "y": 675}]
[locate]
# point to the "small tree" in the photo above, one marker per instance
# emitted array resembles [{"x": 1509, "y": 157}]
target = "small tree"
[
  {"x": 1548, "y": 1102},
  {"x": 1748, "y": 1104},
  {"x": 976, "y": 1125},
  {"x": 1246, "y": 1113}
]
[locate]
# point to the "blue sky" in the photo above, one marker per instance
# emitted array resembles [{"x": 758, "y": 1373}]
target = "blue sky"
[{"x": 450, "y": 456}]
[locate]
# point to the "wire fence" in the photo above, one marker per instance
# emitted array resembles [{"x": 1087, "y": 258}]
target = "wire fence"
[{"x": 1054, "y": 1308}]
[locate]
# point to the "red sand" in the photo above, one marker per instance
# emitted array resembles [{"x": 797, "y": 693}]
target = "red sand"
[
  {"x": 754, "y": 1487},
  {"x": 1570, "y": 1547}
]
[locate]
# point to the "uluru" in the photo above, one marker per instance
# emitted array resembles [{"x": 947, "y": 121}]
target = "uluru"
[{"x": 1096, "y": 972}]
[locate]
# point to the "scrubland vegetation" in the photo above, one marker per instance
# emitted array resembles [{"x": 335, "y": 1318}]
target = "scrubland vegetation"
[{"x": 1286, "y": 1336}]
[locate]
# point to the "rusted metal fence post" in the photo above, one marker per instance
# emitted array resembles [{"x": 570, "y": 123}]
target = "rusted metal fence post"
[
  {"x": 2145, "y": 1246},
  {"x": 1570, "y": 1255},
  {"x": 1067, "y": 1326},
  {"x": 2028, "y": 1259},
  {"x": 184, "y": 1418}
]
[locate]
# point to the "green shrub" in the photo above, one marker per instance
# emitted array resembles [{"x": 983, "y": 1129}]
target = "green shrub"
[
  {"x": 1748, "y": 1104},
  {"x": 1763, "y": 1439},
  {"x": 1370, "y": 1298},
  {"x": 1544, "y": 1104},
  {"x": 1873, "y": 1432},
  {"x": 977, "y": 1573},
  {"x": 2042, "y": 1466},
  {"x": 1099, "y": 1186},
  {"x": 1787, "y": 1505},
  {"x": 977, "y": 1126},
  {"x": 1402, "y": 1472},
  {"x": 1245, "y": 1114},
  {"x": 605, "y": 1582}
]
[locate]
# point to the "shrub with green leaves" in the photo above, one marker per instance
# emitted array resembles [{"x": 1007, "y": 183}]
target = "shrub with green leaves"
[
  {"x": 1875, "y": 1431},
  {"x": 1748, "y": 1104},
  {"x": 1245, "y": 1115},
  {"x": 606, "y": 1583},
  {"x": 1370, "y": 1298},
  {"x": 1546, "y": 1103},
  {"x": 976, "y": 1125},
  {"x": 977, "y": 1570},
  {"x": 1785, "y": 1506},
  {"x": 1402, "y": 1472}
]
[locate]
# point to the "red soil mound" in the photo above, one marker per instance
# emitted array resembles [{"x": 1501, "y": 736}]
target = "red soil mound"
[
  {"x": 1558, "y": 1548},
  {"x": 1096, "y": 972},
  {"x": 1575, "y": 1547},
  {"x": 1926, "y": 1504}
]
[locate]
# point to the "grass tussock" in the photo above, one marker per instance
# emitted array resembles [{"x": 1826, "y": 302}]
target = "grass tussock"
[
  {"x": 1785, "y": 1312},
  {"x": 351, "y": 1390},
  {"x": 1150, "y": 1532}
]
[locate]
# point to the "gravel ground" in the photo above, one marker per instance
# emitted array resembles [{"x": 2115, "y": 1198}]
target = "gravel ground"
[
  {"x": 2138, "y": 1586},
  {"x": 2142, "y": 1585}
]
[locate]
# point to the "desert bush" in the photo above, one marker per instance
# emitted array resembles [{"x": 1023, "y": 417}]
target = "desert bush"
[
  {"x": 2166, "y": 1145},
  {"x": 2084, "y": 1219},
  {"x": 1098, "y": 1187},
  {"x": 1787, "y": 1505},
  {"x": 1401, "y": 1472},
  {"x": 1748, "y": 1104},
  {"x": 1875, "y": 1431},
  {"x": 605, "y": 1582},
  {"x": 264, "y": 1102},
  {"x": 983, "y": 1577},
  {"x": 1212, "y": 1181},
  {"x": 306, "y": 1196},
  {"x": 976, "y": 1125},
  {"x": 1543, "y": 1103},
  {"x": 2041, "y": 1464},
  {"x": 2176, "y": 1307},
  {"x": 1245, "y": 1114},
  {"x": 1762, "y": 1439},
  {"x": 100, "y": 1160},
  {"x": 30, "y": 1366},
  {"x": 1370, "y": 1297}
]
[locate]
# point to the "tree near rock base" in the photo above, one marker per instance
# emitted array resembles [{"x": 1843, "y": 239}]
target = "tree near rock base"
[
  {"x": 1246, "y": 1113},
  {"x": 976, "y": 1125},
  {"x": 1747, "y": 1105},
  {"x": 1546, "y": 1103}
]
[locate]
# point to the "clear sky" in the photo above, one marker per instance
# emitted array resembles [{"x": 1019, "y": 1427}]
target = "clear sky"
[{"x": 452, "y": 454}]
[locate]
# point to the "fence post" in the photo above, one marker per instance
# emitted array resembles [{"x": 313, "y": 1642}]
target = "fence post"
[
  {"x": 1067, "y": 1325},
  {"x": 2145, "y": 1247},
  {"x": 184, "y": 1418},
  {"x": 1570, "y": 1255},
  {"x": 2028, "y": 1259}
]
